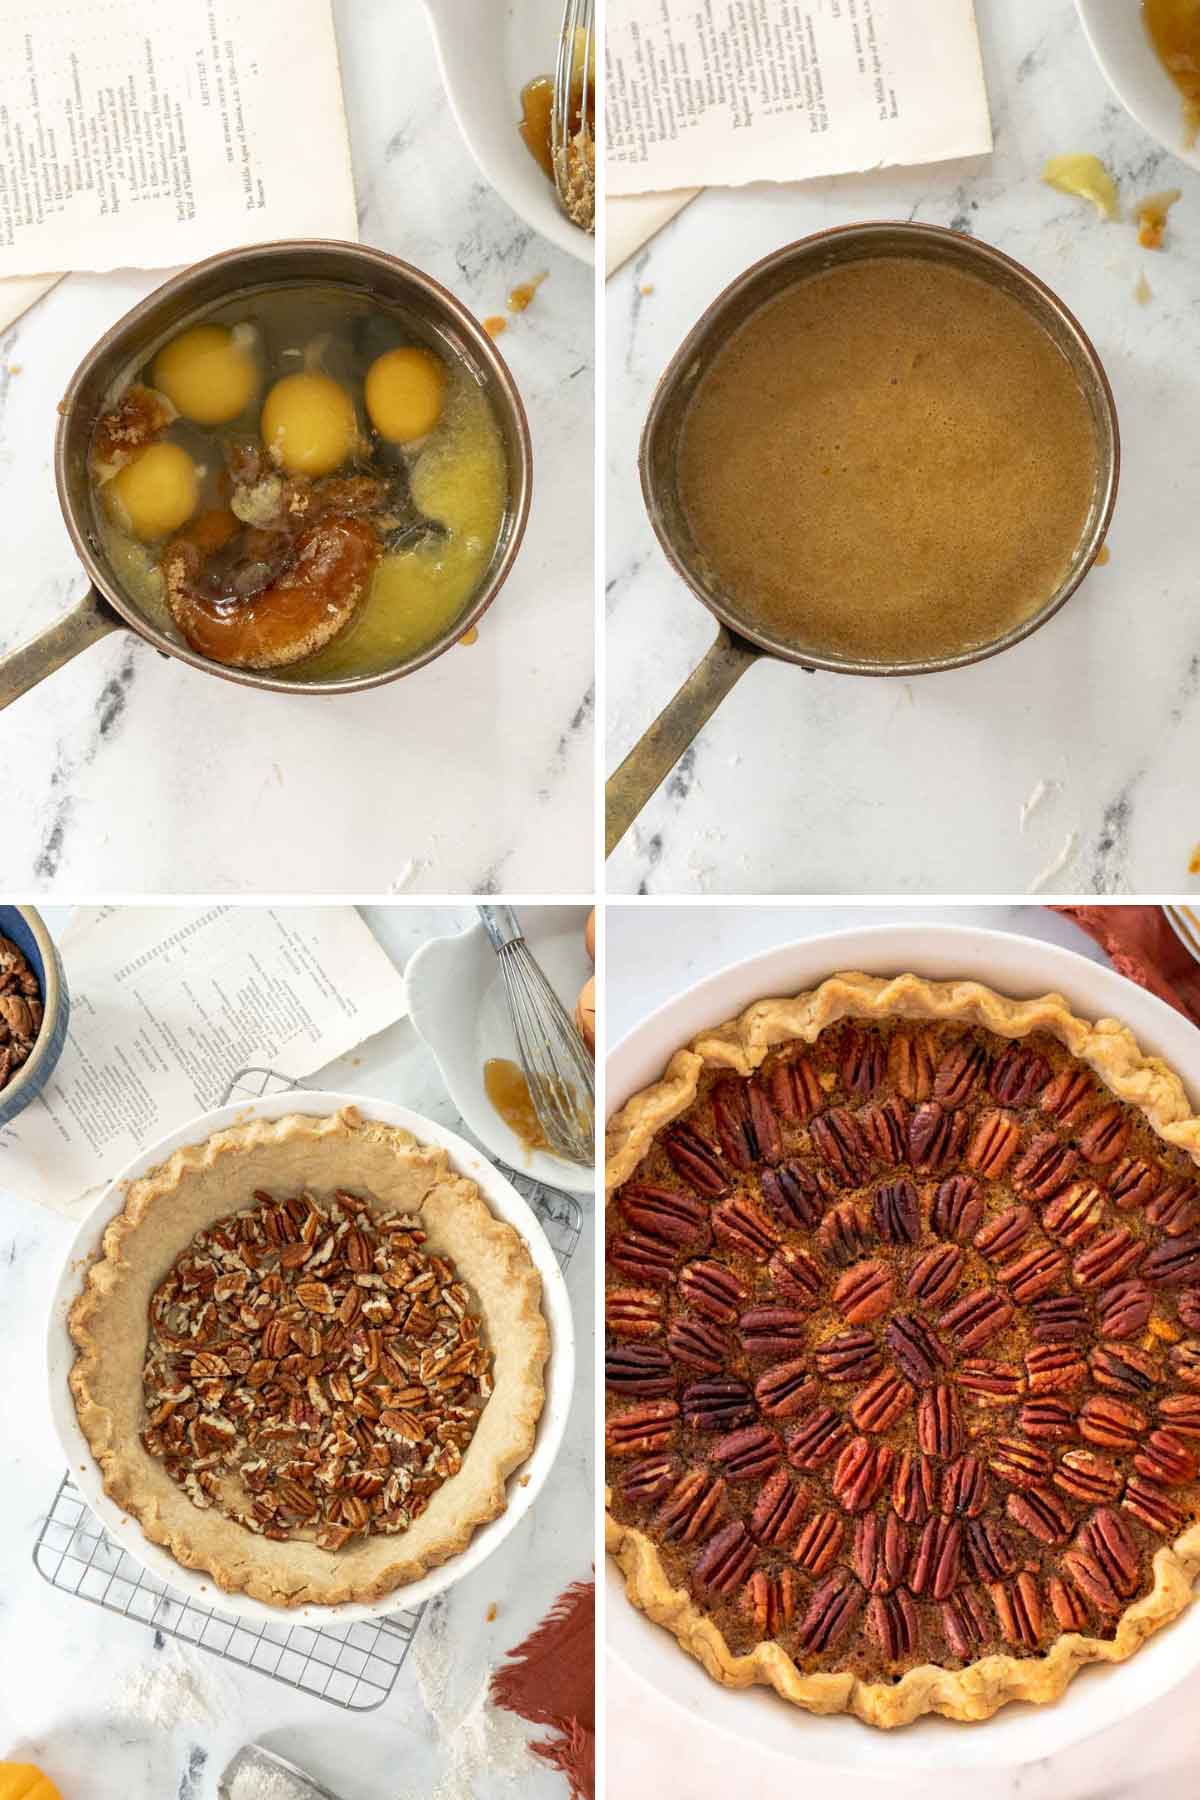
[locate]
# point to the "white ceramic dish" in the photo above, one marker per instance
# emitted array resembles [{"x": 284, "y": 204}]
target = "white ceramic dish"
[
  {"x": 487, "y": 50},
  {"x": 456, "y": 1001},
  {"x": 1130, "y": 65},
  {"x": 504, "y": 1201},
  {"x": 1099, "y": 1696}
]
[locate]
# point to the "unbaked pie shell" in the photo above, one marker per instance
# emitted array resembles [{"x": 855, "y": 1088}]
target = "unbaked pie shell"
[
  {"x": 196, "y": 1186},
  {"x": 980, "y": 1689}
]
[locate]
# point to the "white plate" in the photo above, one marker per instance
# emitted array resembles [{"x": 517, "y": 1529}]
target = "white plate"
[
  {"x": 504, "y": 1201},
  {"x": 1130, "y": 65},
  {"x": 487, "y": 51},
  {"x": 1099, "y": 1696},
  {"x": 456, "y": 1001}
]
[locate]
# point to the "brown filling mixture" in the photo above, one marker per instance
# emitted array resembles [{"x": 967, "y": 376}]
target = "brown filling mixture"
[
  {"x": 20, "y": 1010},
  {"x": 312, "y": 1371},
  {"x": 904, "y": 1349},
  {"x": 891, "y": 460}
]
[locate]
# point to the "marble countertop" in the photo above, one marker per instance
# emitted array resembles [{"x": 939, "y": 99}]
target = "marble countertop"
[
  {"x": 126, "y": 772},
  {"x": 69, "y": 1668},
  {"x": 831, "y": 784},
  {"x": 652, "y": 953}
]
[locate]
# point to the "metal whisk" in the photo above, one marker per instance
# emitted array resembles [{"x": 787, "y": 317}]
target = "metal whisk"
[
  {"x": 572, "y": 133},
  {"x": 555, "y": 1063}
]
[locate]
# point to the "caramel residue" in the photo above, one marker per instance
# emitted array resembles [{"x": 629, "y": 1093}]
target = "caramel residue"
[
  {"x": 647, "y": 289},
  {"x": 1151, "y": 215},
  {"x": 471, "y": 636},
  {"x": 1194, "y": 865},
  {"x": 1103, "y": 555},
  {"x": 495, "y": 325},
  {"x": 507, "y": 1089},
  {"x": 1084, "y": 178},
  {"x": 523, "y": 293},
  {"x": 491, "y": 1613}
]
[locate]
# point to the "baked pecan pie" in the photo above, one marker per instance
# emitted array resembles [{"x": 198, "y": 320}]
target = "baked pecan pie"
[
  {"x": 903, "y": 1354},
  {"x": 309, "y": 1356}
]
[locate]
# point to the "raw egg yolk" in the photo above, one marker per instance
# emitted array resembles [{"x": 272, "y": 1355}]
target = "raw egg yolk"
[
  {"x": 308, "y": 424},
  {"x": 155, "y": 493},
  {"x": 206, "y": 374},
  {"x": 405, "y": 393}
]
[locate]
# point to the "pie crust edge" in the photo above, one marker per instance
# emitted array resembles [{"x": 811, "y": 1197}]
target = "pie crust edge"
[
  {"x": 980, "y": 1689},
  {"x": 297, "y": 1573}
]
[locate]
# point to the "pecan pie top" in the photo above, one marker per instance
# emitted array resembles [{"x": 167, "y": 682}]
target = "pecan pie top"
[{"x": 903, "y": 1360}]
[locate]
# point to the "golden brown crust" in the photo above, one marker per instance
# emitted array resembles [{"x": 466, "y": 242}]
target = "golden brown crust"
[
  {"x": 741, "y": 1045},
  {"x": 196, "y": 1186}
]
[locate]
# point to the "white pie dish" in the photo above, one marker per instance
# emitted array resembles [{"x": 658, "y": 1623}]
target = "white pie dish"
[
  {"x": 1129, "y": 63},
  {"x": 1099, "y": 1696},
  {"x": 504, "y": 1201},
  {"x": 456, "y": 1002},
  {"x": 487, "y": 50}
]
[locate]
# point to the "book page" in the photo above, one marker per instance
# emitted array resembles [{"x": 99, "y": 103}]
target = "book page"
[
  {"x": 722, "y": 92},
  {"x": 138, "y": 135},
  {"x": 168, "y": 1004}
]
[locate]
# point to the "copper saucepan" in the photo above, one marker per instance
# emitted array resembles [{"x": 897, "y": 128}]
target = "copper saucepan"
[
  {"x": 371, "y": 274},
  {"x": 740, "y": 642}
]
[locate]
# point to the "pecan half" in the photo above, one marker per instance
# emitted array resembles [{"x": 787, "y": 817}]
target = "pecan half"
[
  {"x": 1067, "y": 1604},
  {"x": 935, "y": 1274},
  {"x": 864, "y": 1292},
  {"x": 939, "y": 1422},
  {"x": 850, "y": 1356},
  {"x": 862, "y": 1063},
  {"x": 1165, "y": 1458},
  {"x": 936, "y": 1138},
  {"x": 1182, "y": 1413},
  {"x": 1061, "y": 1319},
  {"x": 744, "y": 1228},
  {"x": 726, "y": 1560},
  {"x": 1188, "y": 1306},
  {"x": 1054, "y": 1369},
  {"x": 822, "y": 1435},
  {"x": 1067, "y": 1098},
  {"x": 1104, "y": 1562},
  {"x": 1150, "y": 1503},
  {"x": 816, "y": 1549},
  {"x": 988, "y": 1550},
  {"x": 712, "y": 1290},
  {"x": 995, "y": 1143},
  {"x": 642, "y": 1428},
  {"x": 779, "y": 1511},
  {"x": 914, "y": 1487},
  {"x": 785, "y": 1390},
  {"x": 1111, "y": 1258},
  {"x": 796, "y": 1195},
  {"x": 881, "y": 1403},
  {"x": 957, "y": 1208},
  {"x": 1125, "y": 1309},
  {"x": 935, "y": 1563},
  {"x": 796, "y": 1276},
  {"x": 910, "y": 1063},
  {"x": 892, "y": 1622},
  {"x": 1175, "y": 1262},
  {"x": 1176, "y": 1209},
  {"x": 964, "y": 1488},
  {"x": 1104, "y": 1137},
  {"x": 1017, "y": 1075},
  {"x": 750, "y": 1454},
  {"x": 1019, "y": 1464},
  {"x": 885, "y": 1127},
  {"x": 1123, "y": 1369},
  {"x": 881, "y": 1551},
  {"x": 966, "y": 1623},
  {"x": 838, "y": 1139},
  {"x": 634, "y": 1312},
  {"x": 639, "y": 1369},
  {"x": 1185, "y": 1362},
  {"x": 975, "y": 1319},
  {"x": 1018, "y": 1605},
  {"x": 795, "y": 1091},
  {"x": 696, "y": 1159},
  {"x": 691, "y": 1510},
  {"x": 771, "y": 1602},
  {"x": 862, "y": 1468},
  {"x": 698, "y": 1344},
  {"x": 1112, "y": 1423},
  {"x": 959, "y": 1072},
  {"x": 832, "y": 1614},
  {"x": 1003, "y": 1234},
  {"x": 772, "y": 1331},
  {"x": 650, "y": 1480},
  {"x": 1045, "y": 1168},
  {"x": 1041, "y": 1513},
  {"x": 989, "y": 1383},
  {"x": 897, "y": 1212},
  {"x": 717, "y": 1405},
  {"x": 1076, "y": 1215},
  {"x": 646, "y": 1260},
  {"x": 914, "y": 1348},
  {"x": 845, "y": 1233},
  {"x": 1087, "y": 1476},
  {"x": 1133, "y": 1183},
  {"x": 676, "y": 1219}
]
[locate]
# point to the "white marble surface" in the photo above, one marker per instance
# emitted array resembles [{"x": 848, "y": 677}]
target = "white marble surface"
[
  {"x": 129, "y": 773},
  {"x": 831, "y": 784},
  {"x": 651, "y": 954},
  {"x": 67, "y": 1665}
]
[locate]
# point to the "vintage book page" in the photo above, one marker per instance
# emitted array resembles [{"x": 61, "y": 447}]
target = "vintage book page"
[
  {"x": 782, "y": 90},
  {"x": 168, "y": 1004},
  {"x": 138, "y": 135}
]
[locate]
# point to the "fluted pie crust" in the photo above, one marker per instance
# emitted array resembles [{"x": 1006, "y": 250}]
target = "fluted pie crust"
[
  {"x": 979, "y": 1689},
  {"x": 206, "y": 1182}
]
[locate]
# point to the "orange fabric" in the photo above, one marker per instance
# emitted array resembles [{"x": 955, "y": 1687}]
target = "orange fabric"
[
  {"x": 1143, "y": 947},
  {"x": 550, "y": 1679}
]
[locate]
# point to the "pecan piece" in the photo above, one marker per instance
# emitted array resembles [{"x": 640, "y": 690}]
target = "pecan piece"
[
  {"x": 881, "y": 1550},
  {"x": 936, "y": 1138},
  {"x": 1104, "y": 1562},
  {"x": 642, "y": 1428},
  {"x": 1018, "y": 1605},
  {"x": 712, "y": 1290},
  {"x": 1041, "y": 1513},
  {"x": 910, "y": 1063},
  {"x": 845, "y": 1233},
  {"x": 1054, "y": 1369},
  {"x": 1087, "y": 1476},
  {"x": 1111, "y": 1423},
  {"x": 690, "y": 1512},
  {"x": 1188, "y": 1305},
  {"x": 646, "y": 1260},
  {"x": 1125, "y": 1309},
  {"x": 939, "y": 1422},
  {"x": 914, "y": 1487},
  {"x": 914, "y": 1347},
  {"x": 785, "y": 1390},
  {"x": 634, "y": 1312},
  {"x": 996, "y": 1140},
  {"x": 1019, "y": 1464},
  {"x": 990, "y": 1383},
  {"x": 1185, "y": 1362},
  {"x": 935, "y": 1562},
  {"x": 885, "y": 1127},
  {"x": 1182, "y": 1413},
  {"x": 639, "y": 1369},
  {"x": 964, "y": 1488},
  {"x": 1076, "y": 1214},
  {"x": 988, "y": 1551},
  {"x": 818, "y": 1439},
  {"x": 881, "y": 1403},
  {"x": 862, "y": 1468},
  {"x": 779, "y": 1511},
  {"x": 746, "y": 1124},
  {"x": 771, "y": 1602},
  {"x": 892, "y": 1622},
  {"x": 1047, "y": 1421},
  {"x": 794, "y": 1089},
  {"x": 1017, "y": 1075},
  {"x": 1105, "y": 1135},
  {"x": 965, "y": 1623},
  {"x": 697, "y": 1344},
  {"x": 1175, "y": 1262},
  {"x": 696, "y": 1159},
  {"x": 864, "y": 1292},
  {"x": 650, "y": 1480},
  {"x": 796, "y": 1277},
  {"x": 817, "y": 1546},
  {"x": 959, "y": 1072},
  {"x": 1166, "y": 1459},
  {"x": 838, "y": 1139},
  {"x": 851, "y": 1356},
  {"x": 957, "y": 1208},
  {"x": 832, "y": 1614},
  {"x": 772, "y": 1331},
  {"x": 1033, "y": 1274},
  {"x": 1122, "y": 1369},
  {"x": 1150, "y": 1503},
  {"x": 935, "y": 1274},
  {"x": 1176, "y": 1210},
  {"x": 862, "y": 1063},
  {"x": 750, "y": 1454},
  {"x": 897, "y": 1212},
  {"x": 717, "y": 1405},
  {"x": 1067, "y": 1604},
  {"x": 1111, "y": 1258},
  {"x": 1133, "y": 1184},
  {"x": 726, "y": 1560},
  {"x": 1003, "y": 1234},
  {"x": 796, "y": 1195},
  {"x": 1068, "y": 1097},
  {"x": 975, "y": 1319},
  {"x": 1045, "y": 1168},
  {"x": 744, "y": 1228},
  {"x": 676, "y": 1219},
  {"x": 1062, "y": 1319}
]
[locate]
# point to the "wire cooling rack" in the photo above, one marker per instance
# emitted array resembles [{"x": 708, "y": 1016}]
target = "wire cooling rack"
[{"x": 351, "y": 1666}]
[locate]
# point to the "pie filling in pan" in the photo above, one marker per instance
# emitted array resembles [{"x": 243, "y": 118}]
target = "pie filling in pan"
[{"x": 903, "y": 1347}]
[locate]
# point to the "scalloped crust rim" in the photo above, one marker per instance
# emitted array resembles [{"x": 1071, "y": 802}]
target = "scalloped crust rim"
[{"x": 741, "y": 1045}]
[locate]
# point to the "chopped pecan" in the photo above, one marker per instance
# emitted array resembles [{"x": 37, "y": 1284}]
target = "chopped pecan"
[
  {"x": 1041, "y": 1513},
  {"x": 726, "y": 1560},
  {"x": 964, "y": 1488},
  {"x": 772, "y": 1331},
  {"x": 1045, "y": 1168},
  {"x": 1104, "y": 1137},
  {"x": 642, "y": 1428},
  {"x": 750, "y": 1454},
  {"x": 634, "y": 1312},
  {"x": 977, "y": 1318},
  {"x": 881, "y": 1551},
  {"x": 939, "y": 1422},
  {"x": 1018, "y": 1605},
  {"x": 1125, "y": 1309},
  {"x": 897, "y": 1212},
  {"x": 883, "y": 1401},
  {"x": 838, "y": 1138},
  {"x": 698, "y": 1344},
  {"x": 713, "y": 1405},
  {"x": 680, "y": 1220},
  {"x": 935, "y": 1563},
  {"x": 957, "y": 1208},
  {"x": 914, "y": 1487},
  {"x": 850, "y": 1356},
  {"x": 832, "y": 1614},
  {"x": 914, "y": 1348},
  {"x": 959, "y": 1072},
  {"x": 692, "y": 1509},
  {"x": 864, "y": 1292},
  {"x": 817, "y": 1547},
  {"x": 744, "y": 1228},
  {"x": 796, "y": 1195},
  {"x": 1017, "y": 1075},
  {"x": 995, "y": 1143},
  {"x": 936, "y": 1138},
  {"x": 934, "y": 1275},
  {"x": 785, "y": 1390},
  {"x": 779, "y": 1511},
  {"x": 639, "y": 1369},
  {"x": 696, "y": 1159},
  {"x": 862, "y": 1468}
]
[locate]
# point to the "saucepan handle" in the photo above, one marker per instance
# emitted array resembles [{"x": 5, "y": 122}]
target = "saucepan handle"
[
  {"x": 30, "y": 663},
  {"x": 682, "y": 719}
]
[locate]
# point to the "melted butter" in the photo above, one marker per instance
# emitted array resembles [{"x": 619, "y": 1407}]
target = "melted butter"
[
  {"x": 1174, "y": 27},
  {"x": 507, "y": 1089},
  {"x": 537, "y": 110},
  {"x": 520, "y": 296},
  {"x": 891, "y": 460}
]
